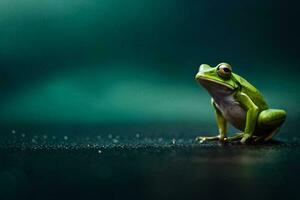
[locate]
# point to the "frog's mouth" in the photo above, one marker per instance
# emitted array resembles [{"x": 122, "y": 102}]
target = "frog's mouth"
[{"x": 215, "y": 87}]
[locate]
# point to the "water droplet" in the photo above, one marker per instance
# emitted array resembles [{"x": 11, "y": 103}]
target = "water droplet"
[
  {"x": 160, "y": 139},
  {"x": 173, "y": 141},
  {"x": 65, "y": 137},
  {"x": 99, "y": 137},
  {"x": 137, "y": 135},
  {"x": 13, "y": 131},
  {"x": 87, "y": 138},
  {"x": 115, "y": 141},
  {"x": 54, "y": 137},
  {"x": 33, "y": 140},
  {"x": 109, "y": 136},
  {"x": 99, "y": 151},
  {"x": 23, "y": 135},
  {"x": 45, "y": 137}
]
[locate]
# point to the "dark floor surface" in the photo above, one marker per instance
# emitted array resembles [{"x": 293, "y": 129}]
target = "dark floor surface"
[{"x": 139, "y": 166}]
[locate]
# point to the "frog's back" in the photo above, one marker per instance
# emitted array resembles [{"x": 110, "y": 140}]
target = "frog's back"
[{"x": 252, "y": 92}]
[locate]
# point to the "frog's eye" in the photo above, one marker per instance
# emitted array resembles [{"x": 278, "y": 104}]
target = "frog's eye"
[{"x": 224, "y": 70}]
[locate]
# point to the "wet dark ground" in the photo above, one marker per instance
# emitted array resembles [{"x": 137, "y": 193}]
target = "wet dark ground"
[{"x": 145, "y": 163}]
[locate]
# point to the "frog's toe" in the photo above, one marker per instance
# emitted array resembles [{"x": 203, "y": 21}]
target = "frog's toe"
[
  {"x": 199, "y": 139},
  {"x": 202, "y": 139},
  {"x": 236, "y": 137},
  {"x": 245, "y": 138}
]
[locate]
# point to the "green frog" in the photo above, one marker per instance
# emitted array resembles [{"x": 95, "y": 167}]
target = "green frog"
[{"x": 239, "y": 103}]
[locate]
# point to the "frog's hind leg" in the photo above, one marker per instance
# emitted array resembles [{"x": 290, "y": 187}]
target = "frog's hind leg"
[
  {"x": 266, "y": 137},
  {"x": 270, "y": 121},
  {"x": 270, "y": 136},
  {"x": 271, "y": 118}
]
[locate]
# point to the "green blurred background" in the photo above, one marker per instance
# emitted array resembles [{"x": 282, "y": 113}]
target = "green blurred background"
[{"x": 116, "y": 61}]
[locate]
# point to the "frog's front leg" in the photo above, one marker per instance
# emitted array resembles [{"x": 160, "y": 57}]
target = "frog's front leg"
[
  {"x": 236, "y": 137},
  {"x": 252, "y": 112},
  {"x": 222, "y": 125}
]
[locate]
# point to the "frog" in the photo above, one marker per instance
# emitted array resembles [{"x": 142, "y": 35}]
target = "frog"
[{"x": 237, "y": 102}]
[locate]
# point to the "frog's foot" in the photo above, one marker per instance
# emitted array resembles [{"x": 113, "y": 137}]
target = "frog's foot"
[
  {"x": 258, "y": 139},
  {"x": 202, "y": 139},
  {"x": 238, "y": 136},
  {"x": 270, "y": 136},
  {"x": 266, "y": 137},
  {"x": 244, "y": 138}
]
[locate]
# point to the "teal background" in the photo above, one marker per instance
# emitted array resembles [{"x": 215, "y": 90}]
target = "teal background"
[
  {"x": 115, "y": 61},
  {"x": 98, "y": 98}
]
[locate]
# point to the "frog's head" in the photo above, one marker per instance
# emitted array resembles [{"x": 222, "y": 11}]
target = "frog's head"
[{"x": 217, "y": 80}]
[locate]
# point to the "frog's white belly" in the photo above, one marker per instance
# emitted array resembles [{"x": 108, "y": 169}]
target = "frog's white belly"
[{"x": 232, "y": 111}]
